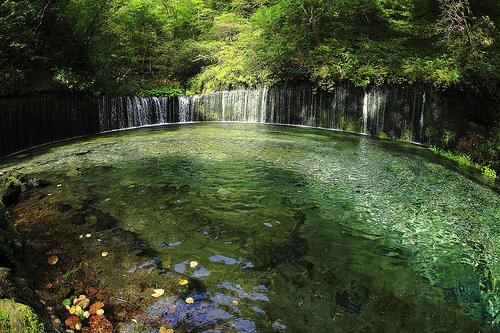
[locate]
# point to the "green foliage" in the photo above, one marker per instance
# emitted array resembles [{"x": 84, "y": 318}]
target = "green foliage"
[
  {"x": 488, "y": 174},
  {"x": 162, "y": 91},
  {"x": 118, "y": 46}
]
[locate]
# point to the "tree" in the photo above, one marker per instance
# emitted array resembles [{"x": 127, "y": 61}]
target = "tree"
[{"x": 454, "y": 20}]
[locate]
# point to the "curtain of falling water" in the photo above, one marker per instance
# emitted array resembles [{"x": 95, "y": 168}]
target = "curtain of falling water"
[{"x": 411, "y": 114}]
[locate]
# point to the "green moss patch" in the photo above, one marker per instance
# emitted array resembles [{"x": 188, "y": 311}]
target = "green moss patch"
[{"x": 19, "y": 318}]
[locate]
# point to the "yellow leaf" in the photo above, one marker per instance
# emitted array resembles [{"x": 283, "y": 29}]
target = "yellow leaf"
[
  {"x": 163, "y": 329},
  {"x": 189, "y": 300},
  {"x": 72, "y": 310},
  {"x": 100, "y": 312},
  {"x": 104, "y": 254},
  {"x": 183, "y": 282},
  {"x": 158, "y": 292},
  {"x": 235, "y": 302},
  {"x": 193, "y": 264}
]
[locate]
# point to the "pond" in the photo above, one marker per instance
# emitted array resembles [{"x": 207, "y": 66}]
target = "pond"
[{"x": 274, "y": 229}]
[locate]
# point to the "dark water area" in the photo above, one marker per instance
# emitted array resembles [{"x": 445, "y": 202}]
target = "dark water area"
[{"x": 292, "y": 229}]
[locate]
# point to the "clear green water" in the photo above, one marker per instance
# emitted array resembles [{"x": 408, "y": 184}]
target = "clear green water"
[{"x": 309, "y": 230}]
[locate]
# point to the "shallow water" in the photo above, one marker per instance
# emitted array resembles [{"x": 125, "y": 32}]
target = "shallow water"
[{"x": 308, "y": 230}]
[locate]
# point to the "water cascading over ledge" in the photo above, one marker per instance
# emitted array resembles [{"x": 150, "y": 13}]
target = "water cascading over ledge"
[{"x": 411, "y": 114}]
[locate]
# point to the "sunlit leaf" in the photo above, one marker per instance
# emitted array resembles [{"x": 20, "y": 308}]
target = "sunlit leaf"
[
  {"x": 52, "y": 260},
  {"x": 158, "y": 292}
]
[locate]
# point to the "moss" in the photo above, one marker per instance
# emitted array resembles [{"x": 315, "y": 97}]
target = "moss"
[
  {"x": 10, "y": 188},
  {"x": 383, "y": 135},
  {"x": 19, "y": 318}
]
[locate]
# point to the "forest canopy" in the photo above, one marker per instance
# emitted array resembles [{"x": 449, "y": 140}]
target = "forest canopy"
[{"x": 173, "y": 46}]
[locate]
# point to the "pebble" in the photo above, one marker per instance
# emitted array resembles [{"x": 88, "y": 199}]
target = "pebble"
[{"x": 269, "y": 225}]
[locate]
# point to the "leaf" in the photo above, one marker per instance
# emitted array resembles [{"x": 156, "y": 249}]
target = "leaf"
[
  {"x": 183, "y": 282},
  {"x": 67, "y": 302},
  {"x": 189, "y": 300},
  {"x": 193, "y": 264},
  {"x": 100, "y": 324},
  {"x": 96, "y": 306},
  {"x": 163, "y": 329},
  {"x": 104, "y": 254},
  {"x": 158, "y": 292},
  {"x": 72, "y": 321},
  {"x": 52, "y": 260}
]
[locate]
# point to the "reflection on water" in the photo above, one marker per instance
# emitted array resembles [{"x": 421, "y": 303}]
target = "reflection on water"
[{"x": 292, "y": 229}]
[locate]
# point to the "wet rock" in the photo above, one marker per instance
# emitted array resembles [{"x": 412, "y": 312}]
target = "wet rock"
[
  {"x": 350, "y": 301},
  {"x": 36, "y": 183}
]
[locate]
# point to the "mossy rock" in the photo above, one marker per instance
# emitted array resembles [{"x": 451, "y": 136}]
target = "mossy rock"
[
  {"x": 20, "y": 318},
  {"x": 10, "y": 188}
]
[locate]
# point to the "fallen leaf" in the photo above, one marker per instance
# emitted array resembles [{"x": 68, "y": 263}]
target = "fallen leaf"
[
  {"x": 100, "y": 324},
  {"x": 99, "y": 312},
  {"x": 52, "y": 260},
  {"x": 104, "y": 254},
  {"x": 88, "y": 235},
  {"x": 189, "y": 300},
  {"x": 48, "y": 285},
  {"x": 235, "y": 302},
  {"x": 134, "y": 321},
  {"x": 193, "y": 264},
  {"x": 72, "y": 310},
  {"x": 96, "y": 306},
  {"x": 86, "y": 314},
  {"x": 72, "y": 321},
  {"x": 163, "y": 329},
  {"x": 183, "y": 282},
  {"x": 67, "y": 302},
  {"x": 158, "y": 292},
  {"x": 82, "y": 301}
]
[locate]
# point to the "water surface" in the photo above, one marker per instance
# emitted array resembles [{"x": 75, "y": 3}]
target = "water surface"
[{"x": 294, "y": 229}]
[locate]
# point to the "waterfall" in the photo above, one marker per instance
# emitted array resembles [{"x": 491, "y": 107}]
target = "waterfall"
[
  {"x": 365, "y": 113},
  {"x": 404, "y": 113},
  {"x": 421, "y": 132}
]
